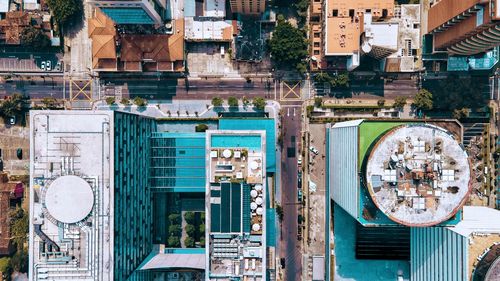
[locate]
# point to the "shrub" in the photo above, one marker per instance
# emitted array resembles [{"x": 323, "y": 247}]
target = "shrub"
[
  {"x": 233, "y": 101},
  {"x": 174, "y": 242},
  {"x": 318, "y": 101},
  {"x": 189, "y": 242},
  {"x": 110, "y": 100},
  {"x": 174, "y": 218},
  {"x": 399, "y": 102},
  {"x": 201, "y": 128},
  {"x": 190, "y": 230},
  {"x": 202, "y": 242},
  {"x": 125, "y": 101},
  {"x": 202, "y": 229},
  {"x": 174, "y": 229},
  {"x": 217, "y": 102},
  {"x": 140, "y": 101},
  {"x": 381, "y": 102},
  {"x": 189, "y": 217},
  {"x": 259, "y": 103}
]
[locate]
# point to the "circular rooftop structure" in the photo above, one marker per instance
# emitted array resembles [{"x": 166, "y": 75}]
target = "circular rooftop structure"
[
  {"x": 69, "y": 199},
  {"x": 418, "y": 175},
  {"x": 493, "y": 273}
]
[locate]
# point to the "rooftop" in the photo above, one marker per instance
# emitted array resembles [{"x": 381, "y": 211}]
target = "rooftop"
[
  {"x": 69, "y": 174},
  {"x": 418, "y": 175}
]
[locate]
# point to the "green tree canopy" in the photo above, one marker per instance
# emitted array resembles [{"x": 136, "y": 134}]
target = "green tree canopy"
[
  {"x": 233, "y": 101},
  {"x": 189, "y": 217},
  {"x": 202, "y": 229},
  {"x": 423, "y": 100},
  {"x": 259, "y": 103},
  {"x": 202, "y": 242},
  {"x": 174, "y": 229},
  {"x": 19, "y": 226},
  {"x": 288, "y": 45},
  {"x": 50, "y": 103},
  {"x": 399, "y": 102},
  {"x": 110, "y": 100},
  {"x": 19, "y": 261},
  {"x": 189, "y": 242},
  {"x": 13, "y": 106},
  {"x": 125, "y": 101},
  {"x": 217, "y": 102},
  {"x": 174, "y": 241},
  {"x": 201, "y": 128},
  {"x": 190, "y": 230},
  {"x": 140, "y": 101},
  {"x": 65, "y": 11},
  {"x": 174, "y": 218},
  {"x": 34, "y": 38}
]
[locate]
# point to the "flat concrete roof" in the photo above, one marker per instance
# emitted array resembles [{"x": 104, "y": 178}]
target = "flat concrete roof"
[{"x": 418, "y": 175}]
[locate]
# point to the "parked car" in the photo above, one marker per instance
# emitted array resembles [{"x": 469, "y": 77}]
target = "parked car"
[
  {"x": 49, "y": 65},
  {"x": 299, "y": 179},
  {"x": 282, "y": 262},
  {"x": 19, "y": 153},
  {"x": 42, "y": 66},
  {"x": 12, "y": 120},
  {"x": 1, "y": 165},
  {"x": 299, "y": 161},
  {"x": 299, "y": 195},
  {"x": 314, "y": 150}
]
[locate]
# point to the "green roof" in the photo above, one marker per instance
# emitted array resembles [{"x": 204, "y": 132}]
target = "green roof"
[
  {"x": 128, "y": 15},
  {"x": 369, "y": 132}
]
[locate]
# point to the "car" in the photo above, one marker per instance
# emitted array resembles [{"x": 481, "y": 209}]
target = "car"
[
  {"x": 299, "y": 161},
  {"x": 299, "y": 195},
  {"x": 1, "y": 165},
  {"x": 313, "y": 150},
  {"x": 19, "y": 153},
  {"x": 12, "y": 120},
  {"x": 282, "y": 262},
  {"x": 49, "y": 66},
  {"x": 42, "y": 65}
]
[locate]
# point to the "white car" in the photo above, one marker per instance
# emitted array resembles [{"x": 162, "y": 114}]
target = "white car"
[
  {"x": 313, "y": 150},
  {"x": 42, "y": 66},
  {"x": 299, "y": 161},
  {"x": 49, "y": 65}
]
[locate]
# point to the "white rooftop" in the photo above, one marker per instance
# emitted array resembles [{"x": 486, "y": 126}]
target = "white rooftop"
[
  {"x": 418, "y": 175},
  {"x": 205, "y": 30}
]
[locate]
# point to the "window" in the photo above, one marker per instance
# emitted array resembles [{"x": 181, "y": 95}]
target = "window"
[
  {"x": 317, "y": 35},
  {"x": 351, "y": 13},
  {"x": 384, "y": 13},
  {"x": 316, "y": 44},
  {"x": 316, "y": 52},
  {"x": 335, "y": 13},
  {"x": 416, "y": 26}
]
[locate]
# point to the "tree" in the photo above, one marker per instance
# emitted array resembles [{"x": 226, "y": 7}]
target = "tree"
[
  {"x": 190, "y": 230},
  {"x": 19, "y": 226},
  {"x": 340, "y": 81},
  {"x": 140, "y": 101},
  {"x": 110, "y": 100},
  {"x": 34, "y": 38},
  {"x": 202, "y": 216},
  {"x": 201, "y": 229},
  {"x": 318, "y": 101},
  {"x": 5, "y": 266},
  {"x": 461, "y": 113},
  {"x": 279, "y": 212},
  {"x": 13, "y": 106},
  {"x": 189, "y": 242},
  {"x": 423, "y": 100},
  {"x": 174, "y": 242},
  {"x": 174, "y": 218},
  {"x": 125, "y": 101},
  {"x": 189, "y": 217},
  {"x": 19, "y": 261},
  {"x": 259, "y": 103},
  {"x": 245, "y": 101},
  {"x": 381, "y": 102},
  {"x": 202, "y": 242},
  {"x": 174, "y": 229},
  {"x": 233, "y": 101},
  {"x": 201, "y": 128},
  {"x": 217, "y": 102},
  {"x": 288, "y": 45},
  {"x": 50, "y": 103},
  {"x": 399, "y": 102},
  {"x": 65, "y": 11}
]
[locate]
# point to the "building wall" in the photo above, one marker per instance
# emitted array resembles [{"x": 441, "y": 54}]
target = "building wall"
[
  {"x": 444, "y": 10},
  {"x": 153, "y": 8},
  {"x": 133, "y": 210},
  {"x": 248, "y": 6},
  {"x": 438, "y": 253},
  {"x": 343, "y": 167}
]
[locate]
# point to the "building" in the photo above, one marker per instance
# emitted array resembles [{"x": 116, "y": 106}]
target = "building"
[
  {"x": 409, "y": 174},
  {"x": 248, "y": 6},
  {"x": 236, "y": 218},
  {"x": 205, "y": 21},
  {"x": 134, "y": 11},
  {"x": 112, "y": 51},
  {"x": 385, "y": 35},
  {"x": 386, "y": 176},
  {"x": 130, "y": 176},
  {"x": 462, "y": 35}
]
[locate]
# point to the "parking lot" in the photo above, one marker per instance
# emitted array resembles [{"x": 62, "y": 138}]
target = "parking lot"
[
  {"x": 13, "y": 138},
  {"x": 31, "y": 64}
]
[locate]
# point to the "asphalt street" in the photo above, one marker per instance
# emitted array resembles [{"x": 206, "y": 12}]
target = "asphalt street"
[{"x": 290, "y": 245}]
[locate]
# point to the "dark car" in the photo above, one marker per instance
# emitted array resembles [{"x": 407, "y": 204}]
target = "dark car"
[
  {"x": 282, "y": 261},
  {"x": 19, "y": 153}
]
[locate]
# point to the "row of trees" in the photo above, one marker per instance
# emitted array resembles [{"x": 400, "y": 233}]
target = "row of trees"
[
  {"x": 125, "y": 101},
  {"x": 195, "y": 230},
  {"x": 19, "y": 227},
  {"x": 259, "y": 103}
]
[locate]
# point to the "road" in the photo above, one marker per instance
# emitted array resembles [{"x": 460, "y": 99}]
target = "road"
[{"x": 290, "y": 245}]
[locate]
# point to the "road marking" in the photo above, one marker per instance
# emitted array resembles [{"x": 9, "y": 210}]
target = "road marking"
[
  {"x": 288, "y": 112},
  {"x": 294, "y": 111}
]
